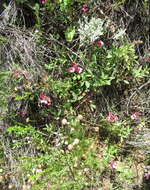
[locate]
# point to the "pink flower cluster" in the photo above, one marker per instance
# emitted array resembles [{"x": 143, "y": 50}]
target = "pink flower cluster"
[
  {"x": 45, "y": 100},
  {"x": 135, "y": 115},
  {"x": 75, "y": 68},
  {"x": 112, "y": 117}
]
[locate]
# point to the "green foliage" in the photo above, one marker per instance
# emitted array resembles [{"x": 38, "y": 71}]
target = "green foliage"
[
  {"x": 37, "y": 13},
  {"x": 4, "y": 89},
  {"x": 3, "y": 40},
  {"x": 69, "y": 143},
  {"x": 65, "y": 4}
]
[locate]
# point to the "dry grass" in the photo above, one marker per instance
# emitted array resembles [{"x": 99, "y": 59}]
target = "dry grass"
[{"x": 20, "y": 48}]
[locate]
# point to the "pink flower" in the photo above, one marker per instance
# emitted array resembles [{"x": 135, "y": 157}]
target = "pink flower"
[
  {"x": 79, "y": 70},
  {"x": 43, "y": 1},
  {"x": 135, "y": 115},
  {"x": 23, "y": 113},
  {"x": 42, "y": 96},
  {"x": 71, "y": 69},
  {"x": 100, "y": 43},
  {"x": 75, "y": 68},
  {"x": 147, "y": 176},
  {"x": 147, "y": 59},
  {"x": 113, "y": 165},
  {"x": 45, "y": 100},
  {"x": 85, "y": 9},
  {"x": 112, "y": 117}
]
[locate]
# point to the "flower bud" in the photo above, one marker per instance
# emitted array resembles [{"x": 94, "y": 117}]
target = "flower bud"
[
  {"x": 76, "y": 141},
  {"x": 64, "y": 121},
  {"x": 80, "y": 117},
  {"x": 70, "y": 146}
]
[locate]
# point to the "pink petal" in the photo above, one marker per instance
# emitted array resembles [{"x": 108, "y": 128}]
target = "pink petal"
[
  {"x": 112, "y": 117},
  {"x": 42, "y": 96},
  {"x": 147, "y": 59},
  {"x": 71, "y": 69},
  {"x": 43, "y": 102},
  {"x": 43, "y": 1},
  {"x": 113, "y": 165},
  {"x": 79, "y": 70},
  {"x": 100, "y": 43},
  {"x": 45, "y": 99},
  {"x": 147, "y": 176},
  {"x": 74, "y": 64},
  {"x": 135, "y": 115},
  {"x": 23, "y": 113},
  {"x": 49, "y": 103},
  {"x": 85, "y": 9}
]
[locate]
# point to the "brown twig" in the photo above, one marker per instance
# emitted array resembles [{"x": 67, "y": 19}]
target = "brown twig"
[{"x": 135, "y": 93}]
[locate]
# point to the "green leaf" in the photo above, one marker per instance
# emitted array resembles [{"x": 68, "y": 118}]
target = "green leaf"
[
  {"x": 69, "y": 34},
  {"x": 1, "y": 170},
  {"x": 18, "y": 98},
  {"x": 87, "y": 84}
]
